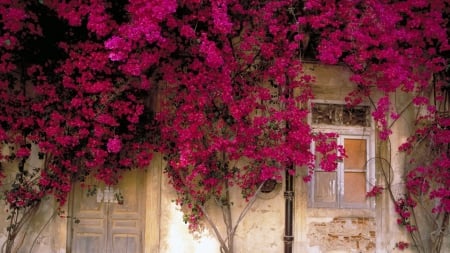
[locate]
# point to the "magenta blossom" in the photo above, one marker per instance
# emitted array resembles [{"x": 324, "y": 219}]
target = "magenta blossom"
[{"x": 114, "y": 145}]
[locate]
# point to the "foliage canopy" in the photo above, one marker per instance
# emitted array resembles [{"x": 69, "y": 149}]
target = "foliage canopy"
[{"x": 99, "y": 86}]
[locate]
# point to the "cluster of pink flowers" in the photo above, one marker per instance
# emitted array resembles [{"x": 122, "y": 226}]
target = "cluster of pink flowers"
[
  {"x": 114, "y": 145},
  {"x": 20, "y": 198},
  {"x": 230, "y": 80},
  {"x": 218, "y": 109},
  {"x": 402, "y": 245},
  {"x": 404, "y": 207},
  {"x": 23, "y": 195},
  {"x": 375, "y": 191},
  {"x": 431, "y": 178},
  {"x": 400, "y": 54},
  {"x": 77, "y": 106},
  {"x": 396, "y": 54}
]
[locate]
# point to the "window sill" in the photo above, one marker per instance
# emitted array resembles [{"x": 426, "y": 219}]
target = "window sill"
[{"x": 340, "y": 212}]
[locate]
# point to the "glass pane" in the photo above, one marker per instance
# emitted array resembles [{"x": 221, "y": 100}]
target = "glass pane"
[
  {"x": 354, "y": 187},
  {"x": 325, "y": 186},
  {"x": 318, "y": 158},
  {"x": 356, "y": 150}
]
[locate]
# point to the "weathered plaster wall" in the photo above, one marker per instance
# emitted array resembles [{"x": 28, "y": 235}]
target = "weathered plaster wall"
[
  {"x": 317, "y": 230},
  {"x": 320, "y": 230},
  {"x": 332, "y": 82},
  {"x": 261, "y": 230},
  {"x": 325, "y": 230},
  {"x": 46, "y": 231}
]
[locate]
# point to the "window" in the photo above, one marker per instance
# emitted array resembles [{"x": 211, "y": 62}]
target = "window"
[{"x": 345, "y": 187}]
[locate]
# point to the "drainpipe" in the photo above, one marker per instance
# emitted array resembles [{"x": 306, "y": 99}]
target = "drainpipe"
[
  {"x": 288, "y": 193},
  {"x": 288, "y": 212}
]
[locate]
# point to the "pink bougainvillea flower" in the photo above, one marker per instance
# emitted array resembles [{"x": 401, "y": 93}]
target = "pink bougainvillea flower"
[
  {"x": 402, "y": 245},
  {"x": 23, "y": 152},
  {"x": 114, "y": 145},
  {"x": 375, "y": 191}
]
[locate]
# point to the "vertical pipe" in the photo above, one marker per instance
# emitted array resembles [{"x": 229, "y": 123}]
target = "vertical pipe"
[
  {"x": 289, "y": 191},
  {"x": 288, "y": 212}
]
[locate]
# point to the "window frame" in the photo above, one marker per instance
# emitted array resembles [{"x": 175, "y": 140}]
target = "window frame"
[{"x": 344, "y": 132}]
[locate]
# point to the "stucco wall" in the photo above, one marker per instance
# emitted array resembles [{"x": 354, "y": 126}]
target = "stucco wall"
[
  {"x": 317, "y": 230},
  {"x": 46, "y": 231},
  {"x": 325, "y": 230},
  {"x": 261, "y": 230}
]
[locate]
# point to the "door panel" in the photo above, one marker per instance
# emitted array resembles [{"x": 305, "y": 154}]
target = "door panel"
[
  {"x": 106, "y": 227},
  {"x": 88, "y": 234},
  {"x": 126, "y": 221},
  {"x": 86, "y": 242},
  {"x": 125, "y": 241}
]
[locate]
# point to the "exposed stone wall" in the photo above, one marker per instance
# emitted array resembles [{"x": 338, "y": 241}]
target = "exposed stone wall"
[{"x": 345, "y": 234}]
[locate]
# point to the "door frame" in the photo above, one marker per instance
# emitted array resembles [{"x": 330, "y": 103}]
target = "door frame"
[{"x": 151, "y": 212}]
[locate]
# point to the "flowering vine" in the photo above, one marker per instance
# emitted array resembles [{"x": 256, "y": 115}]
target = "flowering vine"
[
  {"x": 79, "y": 80},
  {"x": 62, "y": 94},
  {"x": 398, "y": 48}
]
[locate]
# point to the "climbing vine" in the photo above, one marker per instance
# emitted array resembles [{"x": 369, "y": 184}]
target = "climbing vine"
[{"x": 216, "y": 86}]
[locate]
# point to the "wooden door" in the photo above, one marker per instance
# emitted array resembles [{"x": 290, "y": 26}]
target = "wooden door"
[{"x": 105, "y": 226}]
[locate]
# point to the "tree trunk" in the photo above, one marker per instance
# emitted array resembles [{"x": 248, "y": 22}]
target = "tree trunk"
[
  {"x": 227, "y": 244},
  {"x": 16, "y": 225}
]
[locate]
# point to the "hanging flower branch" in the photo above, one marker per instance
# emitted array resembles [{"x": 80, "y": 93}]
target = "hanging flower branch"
[
  {"x": 62, "y": 94},
  {"x": 76, "y": 78}
]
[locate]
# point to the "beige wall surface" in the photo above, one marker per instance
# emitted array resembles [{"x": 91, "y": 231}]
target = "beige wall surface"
[
  {"x": 45, "y": 232},
  {"x": 317, "y": 230}
]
